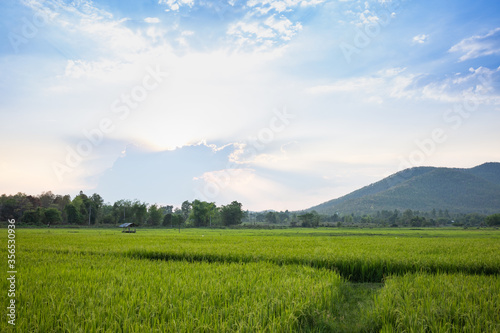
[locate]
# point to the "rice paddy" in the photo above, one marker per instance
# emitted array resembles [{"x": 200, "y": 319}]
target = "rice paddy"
[{"x": 292, "y": 280}]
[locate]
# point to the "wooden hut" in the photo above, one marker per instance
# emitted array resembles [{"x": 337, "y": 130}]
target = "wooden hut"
[{"x": 126, "y": 227}]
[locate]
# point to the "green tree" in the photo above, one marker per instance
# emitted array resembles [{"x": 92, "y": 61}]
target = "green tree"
[
  {"x": 407, "y": 216},
  {"x": 108, "y": 219},
  {"x": 201, "y": 213},
  {"x": 231, "y": 214},
  {"x": 107, "y": 216},
  {"x": 177, "y": 220},
  {"x": 393, "y": 219},
  {"x": 493, "y": 220},
  {"x": 32, "y": 216},
  {"x": 186, "y": 209},
  {"x": 283, "y": 217},
  {"x": 167, "y": 220},
  {"x": 139, "y": 211},
  {"x": 74, "y": 216},
  {"x": 418, "y": 221},
  {"x": 61, "y": 202},
  {"x": 82, "y": 204},
  {"x": 155, "y": 215},
  {"x": 168, "y": 209},
  {"x": 366, "y": 219},
  {"x": 309, "y": 219},
  {"x": 14, "y": 206},
  {"x": 94, "y": 204},
  {"x": 123, "y": 211},
  {"x": 47, "y": 199},
  {"x": 52, "y": 216},
  {"x": 271, "y": 217}
]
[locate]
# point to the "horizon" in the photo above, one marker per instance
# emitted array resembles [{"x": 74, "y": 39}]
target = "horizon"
[
  {"x": 279, "y": 105},
  {"x": 264, "y": 210}
]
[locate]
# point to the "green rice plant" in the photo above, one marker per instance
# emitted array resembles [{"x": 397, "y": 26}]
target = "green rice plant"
[
  {"x": 358, "y": 257},
  {"x": 424, "y": 302},
  {"x": 85, "y": 280},
  {"x": 91, "y": 293}
]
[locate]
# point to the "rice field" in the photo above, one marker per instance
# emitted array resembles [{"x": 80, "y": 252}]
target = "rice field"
[
  {"x": 292, "y": 280},
  {"x": 439, "y": 303}
]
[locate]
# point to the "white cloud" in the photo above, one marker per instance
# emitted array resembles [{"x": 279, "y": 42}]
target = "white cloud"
[
  {"x": 394, "y": 83},
  {"x": 223, "y": 96},
  {"x": 77, "y": 69},
  {"x": 388, "y": 83},
  {"x": 420, "y": 39},
  {"x": 264, "y": 6},
  {"x": 362, "y": 84},
  {"x": 269, "y": 23},
  {"x": 152, "y": 20},
  {"x": 478, "y": 46},
  {"x": 89, "y": 26},
  {"x": 255, "y": 29},
  {"x": 283, "y": 26},
  {"x": 270, "y": 32},
  {"x": 368, "y": 17},
  {"x": 175, "y": 5},
  {"x": 478, "y": 85}
]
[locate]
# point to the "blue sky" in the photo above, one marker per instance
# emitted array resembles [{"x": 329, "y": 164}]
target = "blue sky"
[{"x": 277, "y": 104}]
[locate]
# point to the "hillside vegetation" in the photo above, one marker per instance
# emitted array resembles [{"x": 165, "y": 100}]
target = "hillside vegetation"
[{"x": 475, "y": 190}]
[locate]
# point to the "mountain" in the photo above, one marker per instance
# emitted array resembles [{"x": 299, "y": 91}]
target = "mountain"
[{"x": 474, "y": 190}]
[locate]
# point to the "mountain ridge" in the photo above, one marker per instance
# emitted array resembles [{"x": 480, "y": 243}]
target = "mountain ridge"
[{"x": 458, "y": 190}]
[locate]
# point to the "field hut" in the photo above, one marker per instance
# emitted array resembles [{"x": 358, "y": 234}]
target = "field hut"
[{"x": 126, "y": 227}]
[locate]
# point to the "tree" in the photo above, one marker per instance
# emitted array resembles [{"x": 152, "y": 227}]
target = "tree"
[
  {"x": 394, "y": 217},
  {"x": 61, "y": 202},
  {"x": 167, "y": 220},
  {"x": 493, "y": 220},
  {"x": 47, "y": 199},
  {"x": 186, "y": 209},
  {"x": 95, "y": 204},
  {"x": 74, "y": 216},
  {"x": 309, "y": 219},
  {"x": 335, "y": 218},
  {"x": 123, "y": 211},
  {"x": 9, "y": 209},
  {"x": 14, "y": 206},
  {"x": 347, "y": 219},
  {"x": 52, "y": 216},
  {"x": 232, "y": 213},
  {"x": 283, "y": 216},
  {"x": 139, "y": 211},
  {"x": 260, "y": 217},
  {"x": 155, "y": 215},
  {"x": 35, "y": 201},
  {"x": 82, "y": 204},
  {"x": 366, "y": 219},
  {"x": 407, "y": 216},
  {"x": 33, "y": 216},
  {"x": 177, "y": 220},
  {"x": 418, "y": 221},
  {"x": 271, "y": 217},
  {"x": 201, "y": 213},
  {"x": 108, "y": 219},
  {"x": 168, "y": 209}
]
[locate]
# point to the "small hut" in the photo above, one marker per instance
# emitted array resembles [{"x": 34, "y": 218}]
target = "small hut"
[{"x": 126, "y": 227}]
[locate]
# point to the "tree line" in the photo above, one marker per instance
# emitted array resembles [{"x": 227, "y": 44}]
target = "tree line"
[
  {"x": 49, "y": 209},
  {"x": 383, "y": 218}
]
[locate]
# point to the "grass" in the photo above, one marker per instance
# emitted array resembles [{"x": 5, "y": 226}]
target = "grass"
[
  {"x": 439, "y": 303},
  {"x": 357, "y": 257},
  {"x": 201, "y": 280},
  {"x": 84, "y": 293}
]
